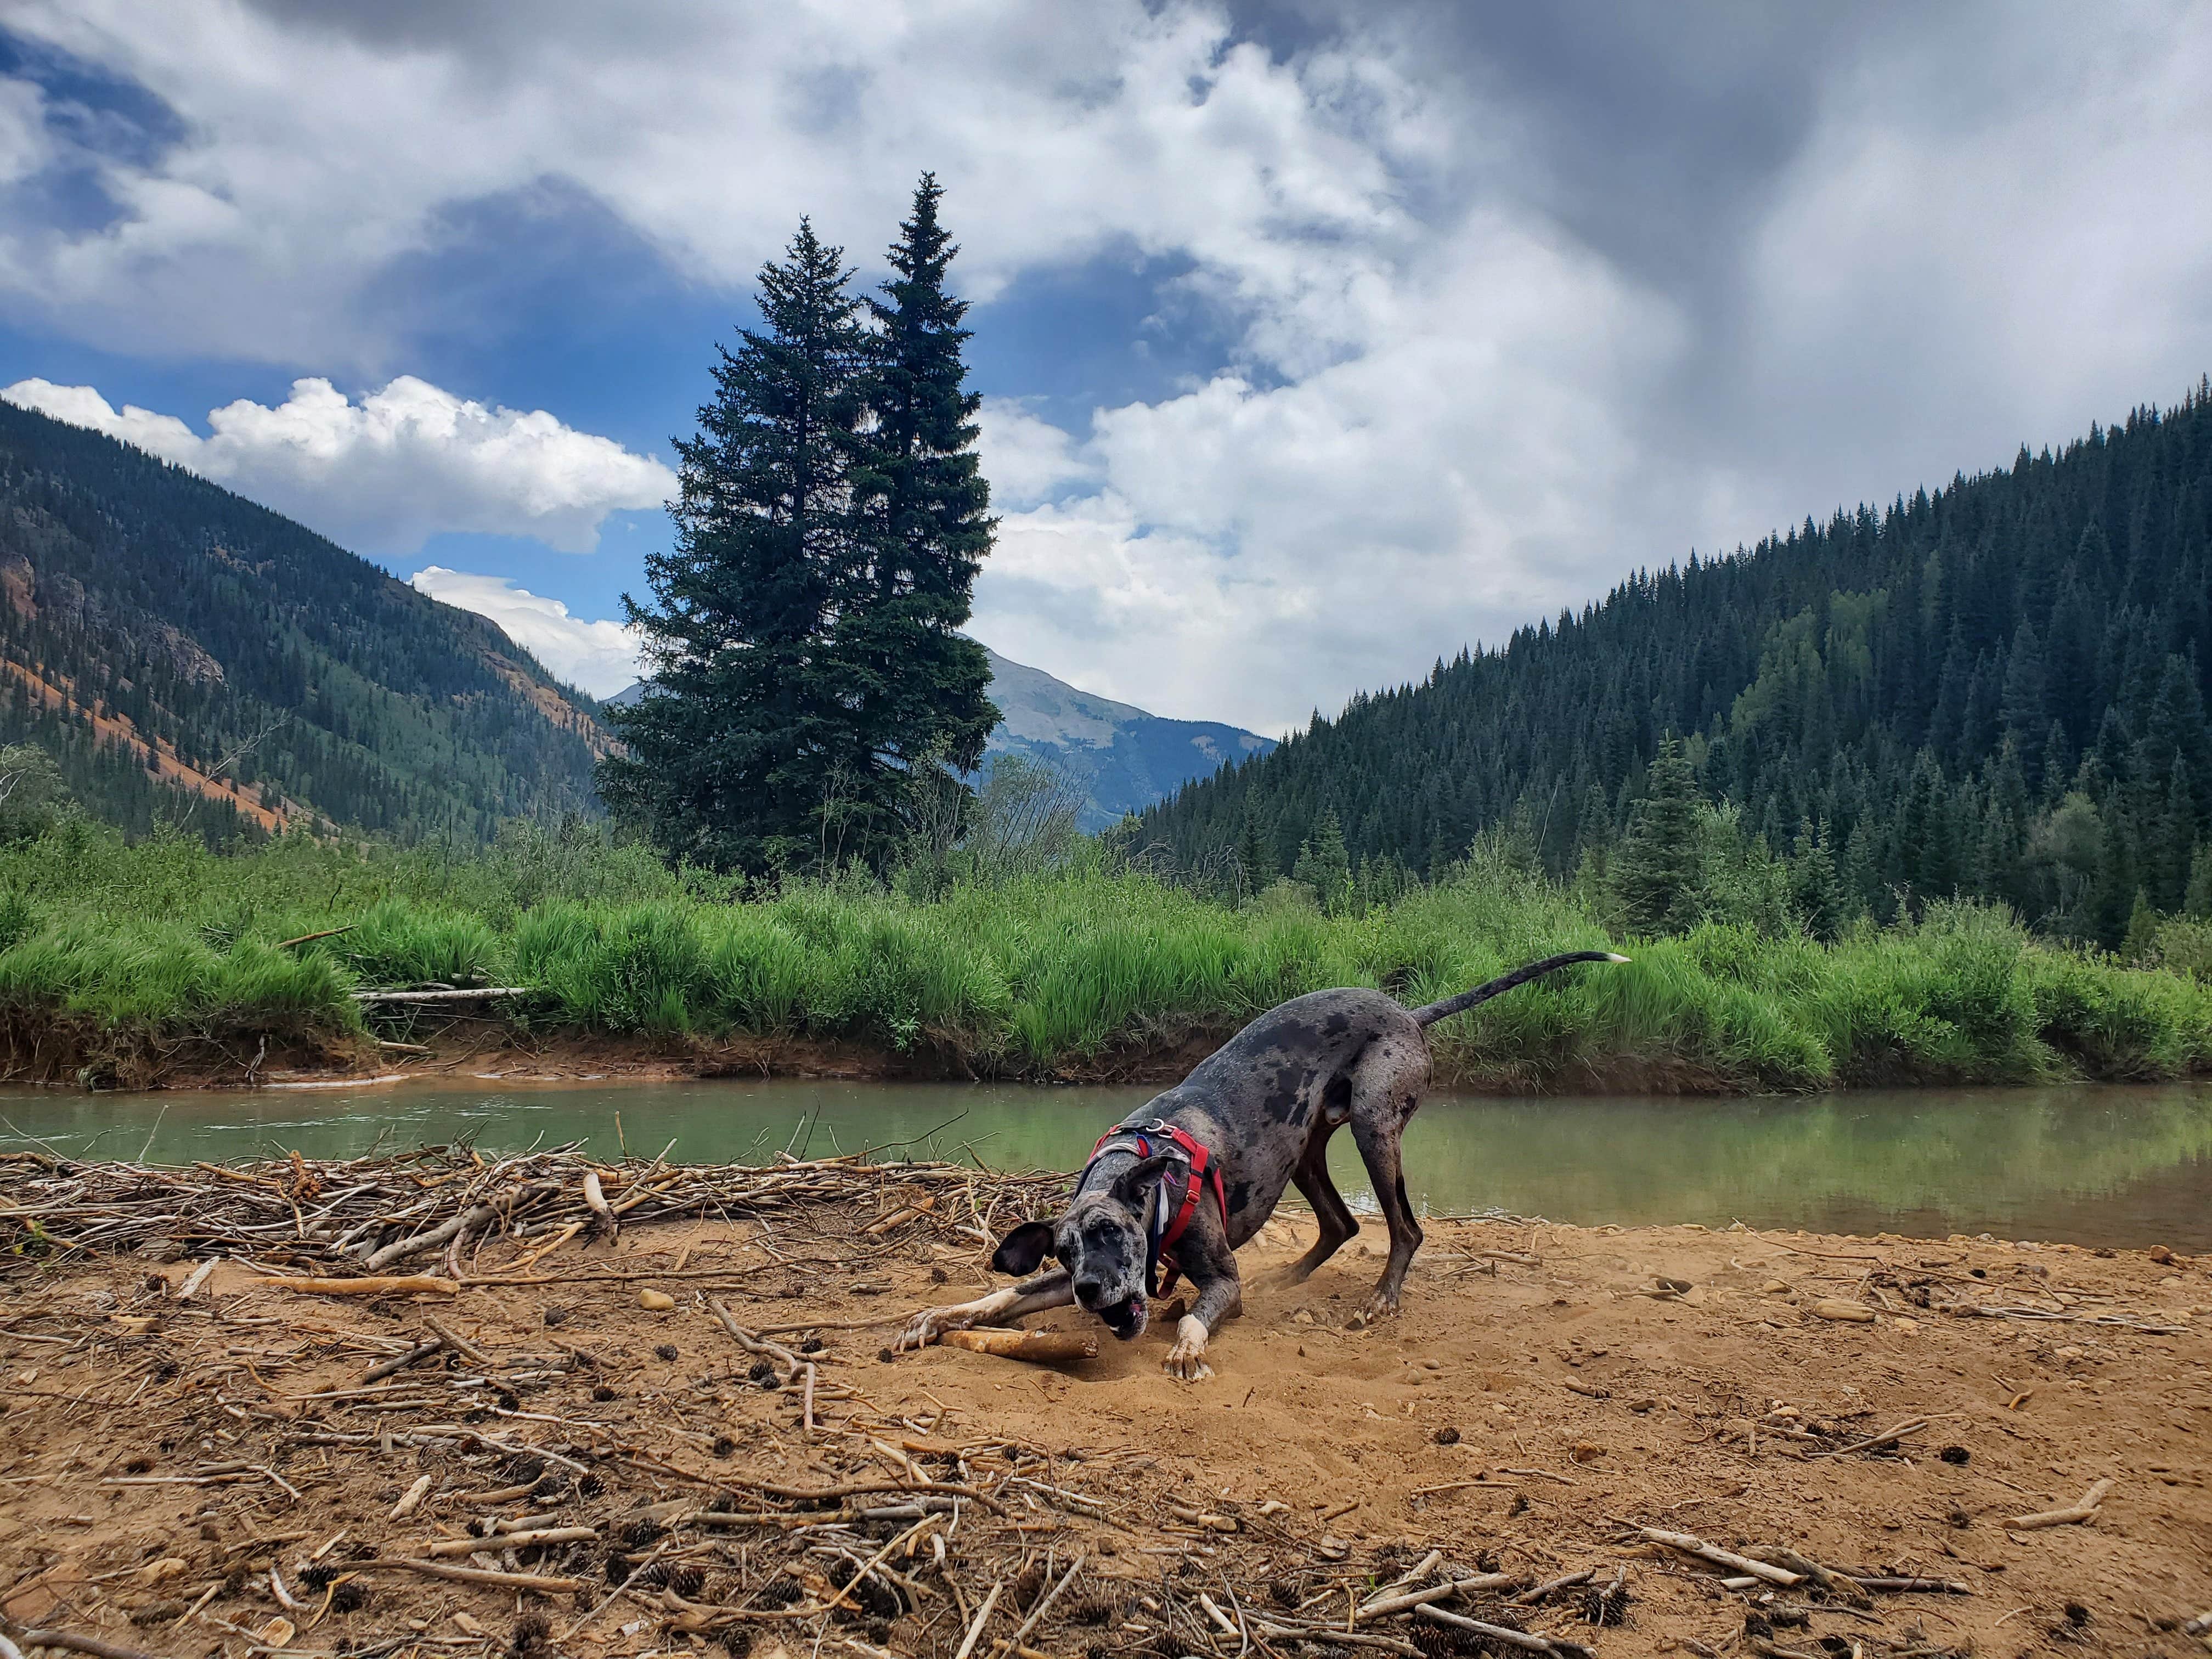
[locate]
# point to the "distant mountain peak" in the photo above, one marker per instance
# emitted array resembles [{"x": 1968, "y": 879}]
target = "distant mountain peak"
[{"x": 1126, "y": 758}]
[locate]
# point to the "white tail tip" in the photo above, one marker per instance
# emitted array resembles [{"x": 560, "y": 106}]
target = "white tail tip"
[{"x": 1613, "y": 956}]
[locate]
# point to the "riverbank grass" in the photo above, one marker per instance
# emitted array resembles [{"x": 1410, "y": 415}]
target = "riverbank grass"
[{"x": 1086, "y": 973}]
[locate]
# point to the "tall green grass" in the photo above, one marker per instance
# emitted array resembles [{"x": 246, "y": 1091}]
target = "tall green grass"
[{"x": 1083, "y": 973}]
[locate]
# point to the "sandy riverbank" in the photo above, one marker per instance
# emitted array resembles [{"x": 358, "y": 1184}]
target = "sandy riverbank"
[{"x": 1532, "y": 1405}]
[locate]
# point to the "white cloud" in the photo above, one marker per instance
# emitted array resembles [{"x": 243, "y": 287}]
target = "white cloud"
[
  {"x": 1442, "y": 415},
  {"x": 403, "y": 464},
  {"x": 316, "y": 152},
  {"x": 1028, "y": 459},
  {"x": 600, "y": 657}
]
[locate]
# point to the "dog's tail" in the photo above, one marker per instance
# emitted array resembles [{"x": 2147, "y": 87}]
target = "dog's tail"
[{"x": 1467, "y": 1000}]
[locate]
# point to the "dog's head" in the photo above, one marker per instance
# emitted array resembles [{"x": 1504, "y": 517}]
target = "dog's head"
[{"x": 1101, "y": 1241}]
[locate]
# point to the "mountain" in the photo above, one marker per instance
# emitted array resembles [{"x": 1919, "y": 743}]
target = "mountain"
[
  {"x": 191, "y": 657},
  {"x": 1125, "y": 758},
  {"x": 1997, "y": 690}
]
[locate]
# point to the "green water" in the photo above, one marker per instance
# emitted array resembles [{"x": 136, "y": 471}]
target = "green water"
[{"x": 2095, "y": 1165}]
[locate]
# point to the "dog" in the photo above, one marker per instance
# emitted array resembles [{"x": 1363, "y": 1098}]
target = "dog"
[{"x": 1185, "y": 1182}]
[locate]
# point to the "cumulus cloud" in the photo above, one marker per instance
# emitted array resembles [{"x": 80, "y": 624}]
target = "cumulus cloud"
[
  {"x": 600, "y": 657},
  {"x": 706, "y": 130},
  {"x": 403, "y": 464},
  {"x": 1503, "y": 301}
]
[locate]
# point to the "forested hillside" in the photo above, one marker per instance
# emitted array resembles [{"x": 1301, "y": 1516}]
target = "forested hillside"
[
  {"x": 192, "y": 659},
  {"x": 1997, "y": 691}
]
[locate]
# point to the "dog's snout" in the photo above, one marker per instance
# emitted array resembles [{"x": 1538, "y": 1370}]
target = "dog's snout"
[{"x": 1089, "y": 1289}]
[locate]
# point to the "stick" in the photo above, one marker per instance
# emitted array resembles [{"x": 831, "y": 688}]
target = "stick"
[
  {"x": 446, "y": 1547},
  {"x": 1420, "y": 1598},
  {"x": 1688, "y": 1544},
  {"x": 400, "y": 1362},
  {"x": 1051, "y": 1595},
  {"x": 198, "y": 1277},
  {"x": 1890, "y": 1437},
  {"x": 1511, "y": 1639},
  {"x": 1835, "y": 1584},
  {"x": 1908, "y": 1586},
  {"x": 1038, "y": 1347},
  {"x": 2084, "y": 1509},
  {"x": 1545, "y": 1474},
  {"x": 411, "y": 1499},
  {"x": 74, "y": 1643},
  {"x": 309, "y": 938},
  {"x": 1530, "y": 1598},
  {"x": 522, "y": 1580},
  {"x": 475, "y": 1216},
  {"x": 460, "y": 1345},
  {"x": 399, "y": 1284},
  {"x": 968, "y": 1642}
]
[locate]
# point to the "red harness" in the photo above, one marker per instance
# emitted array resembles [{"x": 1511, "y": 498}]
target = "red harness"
[{"x": 1200, "y": 1174}]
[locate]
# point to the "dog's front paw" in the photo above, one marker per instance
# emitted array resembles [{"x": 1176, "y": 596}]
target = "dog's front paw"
[
  {"x": 1186, "y": 1361},
  {"x": 927, "y": 1326}
]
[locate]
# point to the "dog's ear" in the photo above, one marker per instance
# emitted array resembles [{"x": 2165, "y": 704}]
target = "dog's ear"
[
  {"x": 1129, "y": 1186},
  {"x": 1020, "y": 1250}
]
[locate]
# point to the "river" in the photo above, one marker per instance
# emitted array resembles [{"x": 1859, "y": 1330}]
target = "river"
[{"x": 2125, "y": 1167}]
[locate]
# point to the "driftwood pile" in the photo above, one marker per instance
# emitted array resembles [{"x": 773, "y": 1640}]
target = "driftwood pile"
[{"x": 433, "y": 1491}]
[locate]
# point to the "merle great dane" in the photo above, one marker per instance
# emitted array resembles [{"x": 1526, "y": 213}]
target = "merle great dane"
[{"x": 1255, "y": 1116}]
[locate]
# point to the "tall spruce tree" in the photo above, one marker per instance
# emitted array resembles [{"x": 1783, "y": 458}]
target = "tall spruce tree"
[
  {"x": 917, "y": 683},
  {"x": 740, "y": 755},
  {"x": 802, "y": 649}
]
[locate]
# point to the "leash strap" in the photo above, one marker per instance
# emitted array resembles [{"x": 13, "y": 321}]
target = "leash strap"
[{"x": 1201, "y": 1172}]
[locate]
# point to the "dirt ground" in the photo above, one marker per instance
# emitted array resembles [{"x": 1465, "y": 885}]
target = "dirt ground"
[{"x": 1546, "y": 1392}]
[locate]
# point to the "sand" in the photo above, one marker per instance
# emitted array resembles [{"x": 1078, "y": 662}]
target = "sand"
[{"x": 1533, "y": 1406}]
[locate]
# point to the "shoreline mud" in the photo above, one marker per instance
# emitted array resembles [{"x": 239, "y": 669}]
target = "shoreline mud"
[{"x": 651, "y": 1409}]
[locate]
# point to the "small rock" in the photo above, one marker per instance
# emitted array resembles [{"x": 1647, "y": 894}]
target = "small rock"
[
  {"x": 2161, "y": 1252},
  {"x": 1586, "y": 1451},
  {"x": 1775, "y": 1287},
  {"x": 655, "y": 1301},
  {"x": 1906, "y": 1326},
  {"x": 1642, "y": 1403},
  {"x": 1447, "y": 1436}
]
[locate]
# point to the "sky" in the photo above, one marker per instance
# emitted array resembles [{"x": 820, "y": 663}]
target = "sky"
[{"x": 1317, "y": 340}]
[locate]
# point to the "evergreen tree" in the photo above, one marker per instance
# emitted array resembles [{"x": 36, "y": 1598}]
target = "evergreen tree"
[
  {"x": 1324, "y": 864},
  {"x": 1930, "y": 680},
  {"x": 744, "y": 755},
  {"x": 808, "y": 677},
  {"x": 1252, "y": 857},
  {"x": 2143, "y": 929},
  {"x": 1658, "y": 870},
  {"x": 1815, "y": 891},
  {"x": 917, "y": 684},
  {"x": 2197, "y": 904}
]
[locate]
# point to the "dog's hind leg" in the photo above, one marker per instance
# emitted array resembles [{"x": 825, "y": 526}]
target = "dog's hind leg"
[
  {"x": 1386, "y": 1087},
  {"x": 1337, "y": 1222}
]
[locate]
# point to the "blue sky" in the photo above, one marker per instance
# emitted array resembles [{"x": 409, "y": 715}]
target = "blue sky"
[{"x": 1317, "y": 341}]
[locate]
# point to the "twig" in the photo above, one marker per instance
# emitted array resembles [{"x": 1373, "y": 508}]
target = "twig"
[
  {"x": 974, "y": 1629},
  {"x": 2083, "y": 1509}
]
